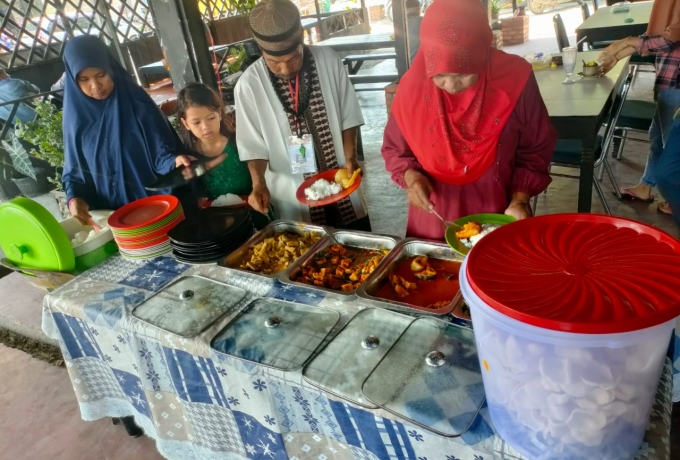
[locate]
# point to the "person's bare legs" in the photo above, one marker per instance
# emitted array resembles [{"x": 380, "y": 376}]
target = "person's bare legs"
[{"x": 643, "y": 190}]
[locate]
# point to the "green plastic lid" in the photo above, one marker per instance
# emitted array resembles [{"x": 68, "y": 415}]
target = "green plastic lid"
[{"x": 32, "y": 238}]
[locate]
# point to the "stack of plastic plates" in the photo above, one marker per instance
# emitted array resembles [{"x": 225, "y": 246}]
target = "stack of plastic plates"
[
  {"x": 141, "y": 227},
  {"x": 213, "y": 234}
]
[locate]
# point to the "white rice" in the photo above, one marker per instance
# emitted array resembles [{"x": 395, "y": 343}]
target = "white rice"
[
  {"x": 84, "y": 236},
  {"x": 322, "y": 189},
  {"x": 486, "y": 229},
  {"x": 226, "y": 200}
]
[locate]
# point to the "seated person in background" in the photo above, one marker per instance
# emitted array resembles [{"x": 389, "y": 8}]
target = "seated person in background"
[
  {"x": 296, "y": 92},
  {"x": 206, "y": 128},
  {"x": 59, "y": 85},
  {"x": 116, "y": 140},
  {"x": 12, "y": 89},
  {"x": 468, "y": 132}
]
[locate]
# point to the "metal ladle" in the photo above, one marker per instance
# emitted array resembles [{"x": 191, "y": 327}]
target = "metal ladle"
[{"x": 329, "y": 232}]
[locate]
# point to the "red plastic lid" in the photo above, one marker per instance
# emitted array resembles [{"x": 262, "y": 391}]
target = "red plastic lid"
[{"x": 582, "y": 273}]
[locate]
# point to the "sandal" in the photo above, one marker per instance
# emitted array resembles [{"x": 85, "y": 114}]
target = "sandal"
[
  {"x": 664, "y": 208},
  {"x": 628, "y": 193}
]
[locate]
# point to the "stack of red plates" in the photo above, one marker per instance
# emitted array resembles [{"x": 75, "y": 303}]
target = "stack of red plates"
[{"x": 141, "y": 227}]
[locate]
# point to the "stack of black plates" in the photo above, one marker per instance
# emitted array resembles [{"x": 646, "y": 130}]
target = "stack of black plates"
[{"x": 213, "y": 234}]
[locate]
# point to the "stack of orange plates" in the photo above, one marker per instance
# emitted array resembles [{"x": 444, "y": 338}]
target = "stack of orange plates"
[{"x": 141, "y": 228}]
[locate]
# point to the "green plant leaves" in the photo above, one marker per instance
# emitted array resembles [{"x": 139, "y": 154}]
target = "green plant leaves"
[
  {"x": 19, "y": 156},
  {"x": 46, "y": 134}
]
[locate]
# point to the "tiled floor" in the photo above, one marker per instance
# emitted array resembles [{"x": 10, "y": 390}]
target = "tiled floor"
[{"x": 40, "y": 418}]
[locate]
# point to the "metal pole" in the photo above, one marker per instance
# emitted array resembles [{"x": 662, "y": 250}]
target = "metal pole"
[
  {"x": 322, "y": 34},
  {"x": 103, "y": 9},
  {"x": 400, "y": 36},
  {"x": 182, "y": 36}
]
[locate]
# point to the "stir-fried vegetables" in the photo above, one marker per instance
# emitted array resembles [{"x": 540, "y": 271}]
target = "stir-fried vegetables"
[{"x": 276, "y": 253}]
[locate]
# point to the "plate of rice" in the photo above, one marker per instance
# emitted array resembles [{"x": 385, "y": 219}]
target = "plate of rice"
[
  {"x": 328, "y": 187},
  {"x": 470, "y": 229}
]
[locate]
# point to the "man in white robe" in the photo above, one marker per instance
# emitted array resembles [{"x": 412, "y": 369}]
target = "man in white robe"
[{"x": 292, "y": 91}]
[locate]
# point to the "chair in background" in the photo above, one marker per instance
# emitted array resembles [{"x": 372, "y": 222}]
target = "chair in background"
[
  {"x": 567, "y": 152},
  {"x": 595, "y": 5},
  {"x": 642, "y": 64},
  {"x": 636, "y": 116},
  {"x": 585, "y": 12},
  {"x": 560, "y": 32}
]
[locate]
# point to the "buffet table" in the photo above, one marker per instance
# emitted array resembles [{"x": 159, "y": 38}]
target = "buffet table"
[{"x": 200, "y": 404}]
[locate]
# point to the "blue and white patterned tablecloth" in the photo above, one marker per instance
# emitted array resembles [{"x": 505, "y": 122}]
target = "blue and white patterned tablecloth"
[{"x": 199, "y": 404}]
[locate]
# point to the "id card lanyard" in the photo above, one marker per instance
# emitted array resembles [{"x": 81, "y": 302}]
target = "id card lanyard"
[{"x": 296, "y": 104}]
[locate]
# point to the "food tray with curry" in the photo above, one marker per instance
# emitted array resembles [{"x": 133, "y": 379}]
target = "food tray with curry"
[
  {"x": 339, "y": 267},
  {"x": 417, "y": 275},
  {"x": 273, "y": 249}
]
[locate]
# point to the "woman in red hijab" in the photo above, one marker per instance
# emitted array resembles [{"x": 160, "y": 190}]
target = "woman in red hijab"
[{"x": 468, "y": 132}]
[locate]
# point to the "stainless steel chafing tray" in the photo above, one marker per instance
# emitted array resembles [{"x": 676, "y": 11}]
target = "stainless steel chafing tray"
[
  {"x": 233, "y": 260},
  {"x": 407, "y": 248},
  {"x": 363, "y": 240}
]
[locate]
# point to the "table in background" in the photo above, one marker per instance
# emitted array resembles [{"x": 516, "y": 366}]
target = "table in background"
[
  {"x": 364, "y": 42},
  {"x": 158, "y": 68},
  {"x": 604, "y": 26},
  {"x": 162, "y": 93},
  {"x": 367, "y": 42},
  {"x": 308, "y": 24},
  {"x": 578, "y": 111},
  {"x": 200, "y": 404}
]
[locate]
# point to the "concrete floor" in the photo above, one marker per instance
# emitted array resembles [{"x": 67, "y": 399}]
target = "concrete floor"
[
  {"x": 46, "y": 422},
  {"x": 41, "y": 421}
]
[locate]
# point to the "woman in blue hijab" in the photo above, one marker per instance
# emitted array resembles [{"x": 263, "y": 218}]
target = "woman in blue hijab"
[{"x": 116, "y": 140}]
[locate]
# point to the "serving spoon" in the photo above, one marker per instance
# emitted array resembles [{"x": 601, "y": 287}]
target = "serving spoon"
[{"x": 446, "y": 223}]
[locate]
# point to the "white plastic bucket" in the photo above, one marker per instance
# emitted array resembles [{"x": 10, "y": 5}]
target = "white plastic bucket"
[{"x": 565, "y": 396}]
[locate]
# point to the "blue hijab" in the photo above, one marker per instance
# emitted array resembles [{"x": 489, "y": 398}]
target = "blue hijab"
[{"x": 113, "y": 147}]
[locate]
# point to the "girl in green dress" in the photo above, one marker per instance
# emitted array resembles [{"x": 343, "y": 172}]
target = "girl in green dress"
[{"x": 206, "y": 128}]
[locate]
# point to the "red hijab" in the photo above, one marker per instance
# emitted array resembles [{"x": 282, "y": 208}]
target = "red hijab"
[{"x": 455, "y": 136}]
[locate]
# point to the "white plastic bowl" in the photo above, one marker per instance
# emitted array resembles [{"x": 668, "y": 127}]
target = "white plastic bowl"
[
  {"x": 98, "y": 248},
  {"x": 565, "y": 396}
]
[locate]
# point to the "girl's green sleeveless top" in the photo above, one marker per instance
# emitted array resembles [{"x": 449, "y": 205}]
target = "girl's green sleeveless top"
[{"x": 232, "y": 176}]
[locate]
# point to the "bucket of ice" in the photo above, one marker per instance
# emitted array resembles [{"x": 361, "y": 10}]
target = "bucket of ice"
[{"x": 558, "y": 395}]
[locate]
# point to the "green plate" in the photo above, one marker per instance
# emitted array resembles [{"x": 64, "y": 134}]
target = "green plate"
[{"x": 493, "y": 219}]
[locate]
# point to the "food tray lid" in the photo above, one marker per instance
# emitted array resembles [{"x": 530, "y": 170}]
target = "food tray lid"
[
  {"x": 275, "y": 333},
  {"x": 31, "y": 237},
  {"x": 431, "y": 377},
  {"x": 581, "y": 273},
  {"x": 342, "y": 367},
  {"x": 189, "y": 305}
]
